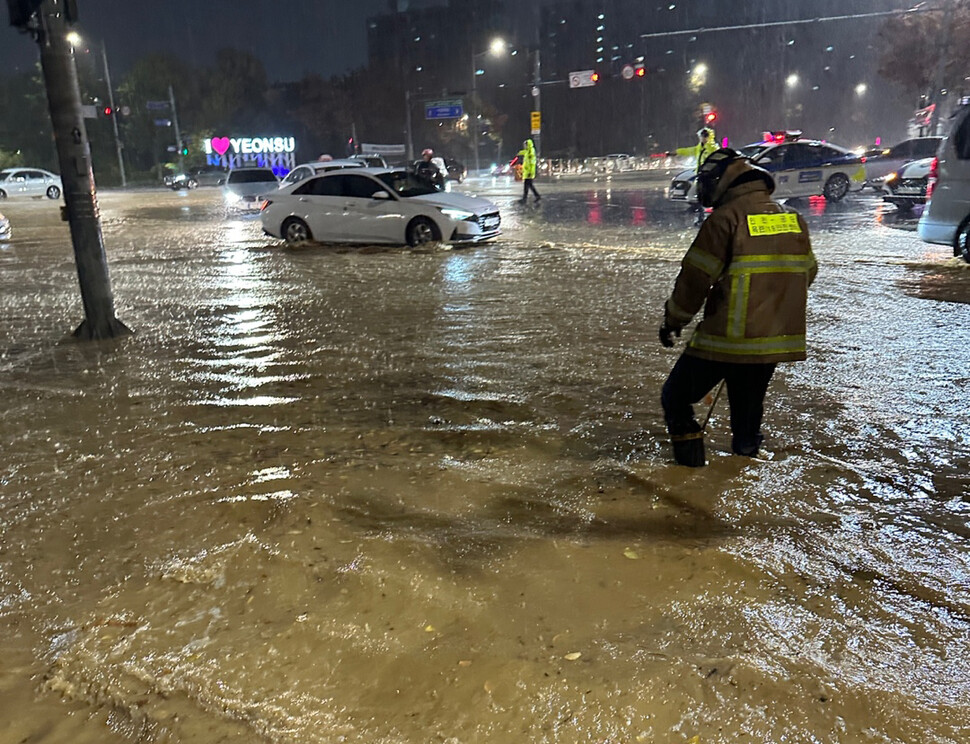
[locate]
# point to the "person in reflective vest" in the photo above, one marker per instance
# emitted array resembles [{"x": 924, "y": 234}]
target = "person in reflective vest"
[
  {"x": 528, "y": 154},
  {"x": 702, "y": 150},
  {"x": 749, "y": 267}
]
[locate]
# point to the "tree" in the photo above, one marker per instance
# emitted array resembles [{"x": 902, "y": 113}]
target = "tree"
[{"x": 912, "y": 48}]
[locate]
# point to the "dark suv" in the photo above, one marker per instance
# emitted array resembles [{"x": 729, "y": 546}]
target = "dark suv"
[{"x": 207, "y": 175}]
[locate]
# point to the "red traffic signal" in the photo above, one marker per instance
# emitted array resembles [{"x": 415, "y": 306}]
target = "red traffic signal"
[
  {"x": 595, "y": 77},
  {"x": 639, "y": 70},
  {"x": 710, "y": 117},
  {"x": 107, "y": 111}
]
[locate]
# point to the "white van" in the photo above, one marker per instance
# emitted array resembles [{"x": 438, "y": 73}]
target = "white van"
[{"x": 946, "y": 218}]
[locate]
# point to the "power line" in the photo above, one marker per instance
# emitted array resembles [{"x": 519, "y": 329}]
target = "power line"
[{"x": 770, "y": 24}]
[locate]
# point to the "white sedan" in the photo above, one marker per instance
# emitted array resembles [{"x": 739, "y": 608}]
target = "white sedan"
[
  {"x": 376, "y": 205},
  {"x": 32, "y": 182}
]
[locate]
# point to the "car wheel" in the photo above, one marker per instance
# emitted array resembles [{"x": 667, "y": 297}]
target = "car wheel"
[
  {"x": 961, "y": 243},
  {"x": 53, "y": 192},
  {"x": 836, "y": 188},
  {"x": 295, "y": 230},
  {"x": 421, "y": 231},
  {"x": 3, "y": 194}
]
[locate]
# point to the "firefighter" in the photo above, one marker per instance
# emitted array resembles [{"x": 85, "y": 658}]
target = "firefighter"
[{"x": 750, "y": 267}]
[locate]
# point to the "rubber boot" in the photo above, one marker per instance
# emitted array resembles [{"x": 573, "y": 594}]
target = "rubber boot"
[{"x": 689, "y": 449}]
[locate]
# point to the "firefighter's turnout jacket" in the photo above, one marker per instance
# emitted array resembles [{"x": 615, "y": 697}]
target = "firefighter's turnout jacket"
[{"x": 749, "y": 267}]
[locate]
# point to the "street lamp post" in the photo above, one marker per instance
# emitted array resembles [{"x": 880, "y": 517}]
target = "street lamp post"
[
  {"x": 496, "y": 48},
  {"x": 114, "y": 116}
]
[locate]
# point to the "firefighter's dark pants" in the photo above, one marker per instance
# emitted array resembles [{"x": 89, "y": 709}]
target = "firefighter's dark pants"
[{"x": 692, "y": 378}]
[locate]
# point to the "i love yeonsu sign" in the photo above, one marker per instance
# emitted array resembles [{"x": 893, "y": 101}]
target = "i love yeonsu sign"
[{"x": 248, "y": 145}]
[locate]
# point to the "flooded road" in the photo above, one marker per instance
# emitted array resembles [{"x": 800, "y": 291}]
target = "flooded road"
[{"x": 338, "y": 494}]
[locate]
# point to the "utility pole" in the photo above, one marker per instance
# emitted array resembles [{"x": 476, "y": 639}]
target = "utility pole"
[
  {"x": 939, "y": 79},
  {"x": 178, "y": 133},
  {"x": 537, "y": 96},
  {"x": 407, "y": 126},
  {"x": 48, "y": 21},
  {"x": 114, "y": 116}
]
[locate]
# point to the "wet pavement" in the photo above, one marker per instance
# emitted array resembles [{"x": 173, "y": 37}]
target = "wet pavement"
[{"x": 373, "y": 494}]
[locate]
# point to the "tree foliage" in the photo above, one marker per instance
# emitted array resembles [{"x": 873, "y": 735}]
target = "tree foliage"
[{"x": 912, "y": 45}]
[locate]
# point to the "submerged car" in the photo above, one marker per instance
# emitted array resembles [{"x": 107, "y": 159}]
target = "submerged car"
[
  {"x": 209, "y": 175},
  {"x": 245, "y": 186},
  {"x": 30, "y": 182},
  {"x": 800, "y": 167},
  {"x": 907, "y": 186},
  {"x": 890, "y": 160},
  {"x": 376, "y": 205}
]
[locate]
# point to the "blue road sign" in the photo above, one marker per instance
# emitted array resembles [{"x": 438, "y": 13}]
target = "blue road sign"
[
  {"x": 156, "y": 105},
  {"x": 443, "y": 110}
]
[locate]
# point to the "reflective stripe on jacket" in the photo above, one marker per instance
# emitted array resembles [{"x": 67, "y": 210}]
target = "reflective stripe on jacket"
[{"x": 749, "y": 267}]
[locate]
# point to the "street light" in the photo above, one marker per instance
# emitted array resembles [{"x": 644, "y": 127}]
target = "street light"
[
  {"x": 496, "y": 48},
  {"x": 74, "y": 39}
]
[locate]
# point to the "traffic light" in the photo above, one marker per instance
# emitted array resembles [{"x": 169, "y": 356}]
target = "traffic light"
[
  {"x": 107, "y": 111},
  {"x": 710, "y": 117},
  {"x": 595, "y": 77},
  {"x": 639, "y": 70}
]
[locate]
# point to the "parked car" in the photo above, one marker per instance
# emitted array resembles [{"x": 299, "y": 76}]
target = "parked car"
[
  {"x": 320, "y": 166},
  {"x": 32, "y": 182},
  {"x": 5, "y": 230},
  {"x": 208, "y": 175},
  {"x": 946, "y": 218},
  {"x": 244, "y": 188},
  {"x": 907, "y": 187},
  {"x": 371, "y": 161},
  {"x": 375, "y": 205},
  {"x": 890, "y": 160},
  {"x": 800, "y": 167}
]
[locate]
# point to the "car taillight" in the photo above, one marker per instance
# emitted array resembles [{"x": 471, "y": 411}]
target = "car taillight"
[{"x": 932, "y": 178}]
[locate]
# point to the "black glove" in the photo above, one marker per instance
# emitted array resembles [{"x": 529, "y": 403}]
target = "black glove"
[{"x": 665, "y": 334}]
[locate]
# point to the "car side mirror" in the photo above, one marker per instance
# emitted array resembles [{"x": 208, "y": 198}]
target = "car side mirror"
[{"x": 380, "y": 195}]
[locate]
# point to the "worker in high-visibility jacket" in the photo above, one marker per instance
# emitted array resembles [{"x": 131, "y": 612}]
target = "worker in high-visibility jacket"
[
  {"x": 749, "y": 267},
  {"x": 700, "y": 152},
  {"x": 528, "y": 155}
]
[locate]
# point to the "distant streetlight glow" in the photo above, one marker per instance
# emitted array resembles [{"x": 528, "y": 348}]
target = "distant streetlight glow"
[
  {"x": 698, "y": 77},
  {"x": 73, "y": 38},
  {"x": 792, "y": 80},
  {"x": 860, "y": 89},
  {"x": 497, "y": 47}
]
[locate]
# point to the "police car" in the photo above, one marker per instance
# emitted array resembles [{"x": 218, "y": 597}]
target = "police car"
[{"x": 800, "y": 167}]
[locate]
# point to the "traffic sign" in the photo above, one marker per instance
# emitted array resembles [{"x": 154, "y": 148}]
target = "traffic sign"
[
  {"x": 156, "y": 105},
  {"x": 163, "y": 122},
  {"x": 627, "y": 72},
  {"x": 582, "y": 79},
  {"x": 536, "y": 122},
  {"x": 444, "y": 110}
]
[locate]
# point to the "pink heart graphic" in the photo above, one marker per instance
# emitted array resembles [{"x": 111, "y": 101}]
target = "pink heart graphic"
[{"x": 220, "y": 144}]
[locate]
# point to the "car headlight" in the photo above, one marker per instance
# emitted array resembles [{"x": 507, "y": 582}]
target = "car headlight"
[
  {"x": 891, "y": 177},
  {"x": 232, "y": 197},
  {"x": 457, "y": 214}
]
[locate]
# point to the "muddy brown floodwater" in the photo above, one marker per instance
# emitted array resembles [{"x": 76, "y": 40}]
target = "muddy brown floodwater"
[{"x": 385, "y": 496}]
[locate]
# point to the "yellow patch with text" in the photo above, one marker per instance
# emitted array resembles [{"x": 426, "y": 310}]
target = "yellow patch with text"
[{"x": 773, "y": 224}]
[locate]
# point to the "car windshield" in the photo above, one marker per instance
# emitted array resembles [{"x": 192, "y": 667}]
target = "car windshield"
[
  {"x": 253, "y": 176},
  {"x": 405, "y": 185},
  {"x": 4, "y": 175}
]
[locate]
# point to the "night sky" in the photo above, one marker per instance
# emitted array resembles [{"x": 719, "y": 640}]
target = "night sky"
[{"x": 291, "y": 37}]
